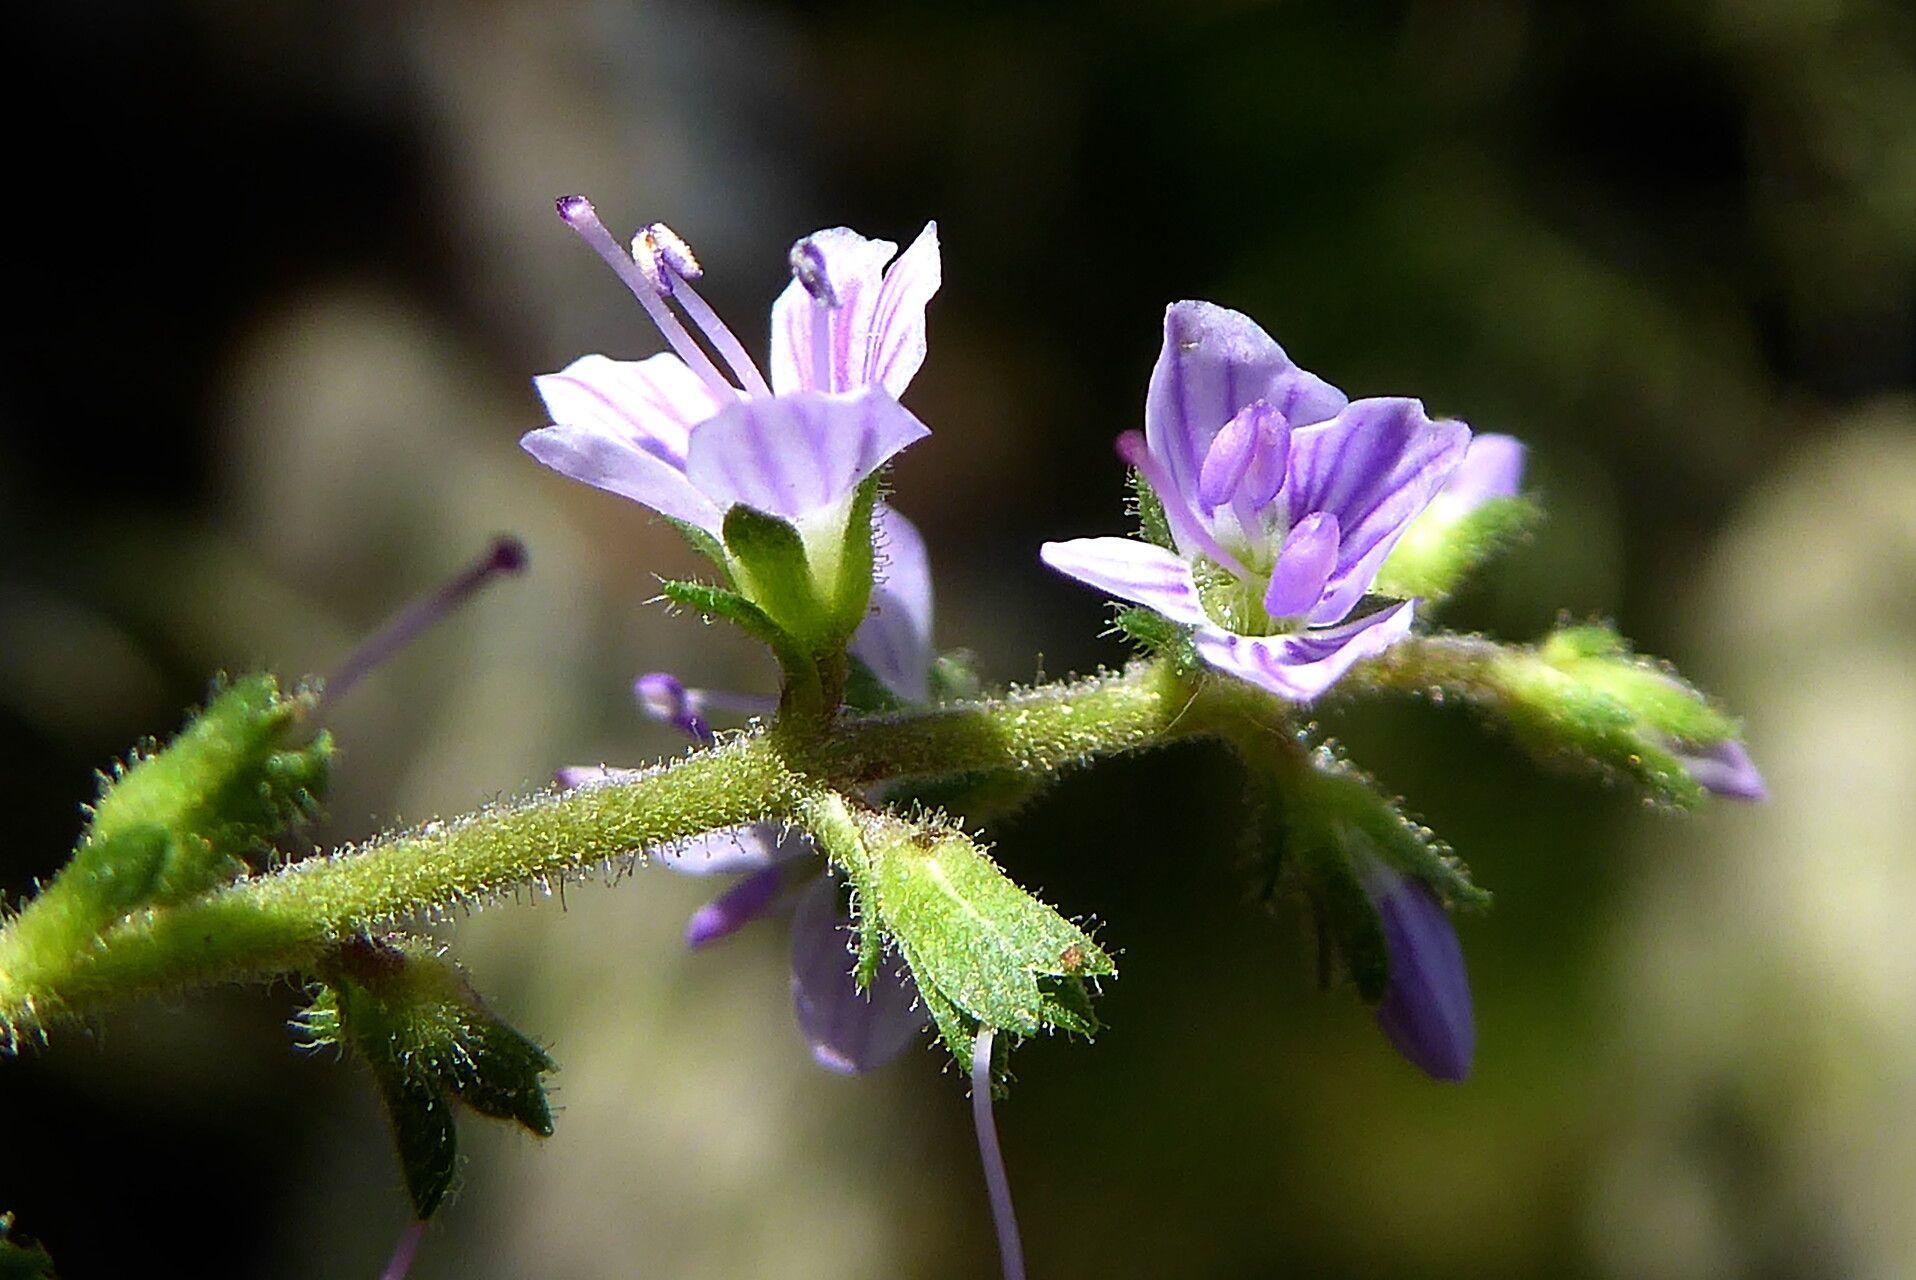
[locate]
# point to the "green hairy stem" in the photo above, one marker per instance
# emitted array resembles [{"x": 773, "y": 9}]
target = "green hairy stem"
[{"x": 288, "y": 920}]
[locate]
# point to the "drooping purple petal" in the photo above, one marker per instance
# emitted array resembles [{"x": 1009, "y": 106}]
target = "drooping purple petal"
[
  {"x": 750, "y": 899},
  {"x": 1213, "y": 363},
  {"x": 1303, "y": 665},
  {"x": 895, "y": 639},
  {"x": 800, "y": 454},
  {"x": 1724, "y": 769},
  {"x": 1304, "y": 565},
  {"x": 1426, "y": 1010},
  {"x": 1136, "y": 571},
  {"x": 874, "y": 331},
  {"x": 1375, "y": 467},
  {"x": 734, "y": 850},
  {"x": 849, "y": 1030},
  {"x": 1492, "y": 467}
]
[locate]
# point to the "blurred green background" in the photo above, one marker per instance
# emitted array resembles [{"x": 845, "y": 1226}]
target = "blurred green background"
[{"x": 279, "y": 277}]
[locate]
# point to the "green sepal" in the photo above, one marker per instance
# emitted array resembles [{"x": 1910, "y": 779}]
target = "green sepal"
[
  {"x": 1157, "y": 635},
  {"x": 972, "y": 936},
  {"x": 706, "y": 545},
  {"x": 857, "y": 562},
  {"x": 801, "y": 672},
  {"x": 231, "y": 780},
  {"x": 773, "y": 571},
  {"x": 1440, "y": 550},
  {"x": 866, "y": 694},
  {"x": 428, "y": 1039},
  {"x": 1149, "y": 510},
  {"x": 21, "y": 1258}
]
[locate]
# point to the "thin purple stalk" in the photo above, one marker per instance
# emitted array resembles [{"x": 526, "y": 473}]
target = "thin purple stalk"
[
  {"x": 721, "y": 337},
  {"x": 506, "y": 555},
  {"x": 403, "y": 1255},
  {"x": 1011, "y": 1250},
  {"x": 584, "y": 219}
]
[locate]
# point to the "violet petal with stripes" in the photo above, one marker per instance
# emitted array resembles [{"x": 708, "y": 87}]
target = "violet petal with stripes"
[{"x": 798, "y": 455}]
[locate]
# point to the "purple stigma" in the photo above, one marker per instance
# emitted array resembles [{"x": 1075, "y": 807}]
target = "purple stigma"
[
  {"x": 505, "y": 557},
  {"x": 1011, "y": 1252},
  {"x": 664, "y": 697},
  {"x": 808, "y": 268}
]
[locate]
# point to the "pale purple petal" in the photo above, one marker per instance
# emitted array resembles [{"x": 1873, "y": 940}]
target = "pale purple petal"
[
  {"x": 895, "y": 639},
  {"x": 1302, "y": 666},
  {"x": 1188, "y": 529},
  {"x": 1213, "y": 363},
  {"x": 852, "y": 268},
  {"x": 618, "y": 466},
  {"x": 652, "y": 403},
  {"x": 1375, "y": 467},
  {"x": 750, "y": 899},
  {"x": 1426, "y": 1010},
  {"x": 800, "y": 454},
  {"x": 1136, "y": 571},
  {"x": 1724, "y": 769},
  {"x": 1304, "y": 564},
  {"x": 898, "y": 322},
  {"x": 849, "y": 1030},
  {"x": 1492, "y": 468},
  {"x": 734, "y": 850}
]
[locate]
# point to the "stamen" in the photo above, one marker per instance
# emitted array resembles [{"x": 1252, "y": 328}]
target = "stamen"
[
  {"x": 668, "y": 262},
  {"x": 402, "y": 1257},
  {"x": 1011, "y": 1251},
  {"x": 584, "y": 219},
  {"x": 808, "y": 268},
  {"x": 506, "y": 556}
]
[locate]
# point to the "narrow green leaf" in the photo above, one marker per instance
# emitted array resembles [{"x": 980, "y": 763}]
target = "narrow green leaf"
[{"x": 706, "y": 545}]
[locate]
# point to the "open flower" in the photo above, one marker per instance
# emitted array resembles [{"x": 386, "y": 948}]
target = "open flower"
[
  {"x": 849, "y": 1030},
  {"x": 690, "y": 441},
  {"x": 1282, "y": 497}
]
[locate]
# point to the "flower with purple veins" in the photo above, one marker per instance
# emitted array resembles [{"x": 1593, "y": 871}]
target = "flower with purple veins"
[
  {"x": 1426, "y": 1009},
  {"x": 690, "y": 440},
  {"x": 1283, "y": 498},
  {"x": 849, "y": 1031}
]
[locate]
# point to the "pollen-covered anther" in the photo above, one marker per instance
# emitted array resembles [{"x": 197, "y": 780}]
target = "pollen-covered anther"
[
  {"x": 664, "y": 257},
  {"x": 808, "y": 268}
]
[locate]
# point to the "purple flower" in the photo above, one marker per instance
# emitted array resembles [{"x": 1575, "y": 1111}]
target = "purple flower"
[
  {"x": 848, "y": 1030},
  {"x": 1283, "y": 499},
  {"x": 689, "y": 440},
  {"x": 1426, "y": 1009},
  {"x": 1492, "y": 468}
]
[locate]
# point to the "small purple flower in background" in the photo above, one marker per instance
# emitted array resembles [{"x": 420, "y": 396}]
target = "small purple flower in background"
[
  {"x": 1283, "y": 498},
  {"x": 1426, "y": 1009},
  {"x": 677, "y": 434},
  {"x": 849, "y": 1030}
]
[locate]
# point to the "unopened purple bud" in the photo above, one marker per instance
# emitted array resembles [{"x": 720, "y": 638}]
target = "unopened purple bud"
[
  {"x": 808, "y": 268},
  {"x": 1724, "y": 770},
  {"x": 664, "y": 257},
  {"x": 664, "y": 697},
  {"x": 746, "y": 901},
  {"x": 1426, "y": 1011}
]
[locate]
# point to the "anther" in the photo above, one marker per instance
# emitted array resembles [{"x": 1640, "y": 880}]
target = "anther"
[{"x": 808, "y": 268}]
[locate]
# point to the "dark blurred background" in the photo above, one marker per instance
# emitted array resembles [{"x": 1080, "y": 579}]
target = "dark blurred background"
[{"x": 279, "y": 276}]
